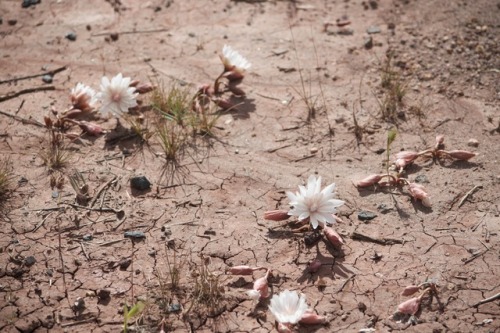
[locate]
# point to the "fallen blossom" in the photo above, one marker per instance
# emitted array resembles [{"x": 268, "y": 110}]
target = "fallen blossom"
[
  {"x": 313, "y": 203},
  {"x": 276, "y": 215},
  {"x": 404, "y": 158},
  {"x": 83, "y": 97},
  {"x": 288, "y": 307},
  {"x": 235, "y": 65},
  {"x": 260, "y": 288},
  {"x": 418, "y": 192},
  {"x": 91, "y": 128}
]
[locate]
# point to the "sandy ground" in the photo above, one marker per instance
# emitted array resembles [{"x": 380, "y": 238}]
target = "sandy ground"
[{"x": 69, "y": 267}]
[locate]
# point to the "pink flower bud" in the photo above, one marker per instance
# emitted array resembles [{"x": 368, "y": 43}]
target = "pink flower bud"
[
  {"x": 134, "y": 83},
  {"x": 234, "y": 89},
  {"x": 311, "y": 318},
  {"x": 144, "y": 88},
  {"x": 418, "y": 192},
  {"x": 91, "y": 128},
  {"x": 241, "y": 270},
  {"x": 410, "y": 290},
  {"x": 223, "y": 103},
  {"x": 314, "y": 265},
  {"x": 462, "y": 154},
  {"x": 73, "y": 113},
  {"x": 333, "y": 237},
  {"x": 276, "y": 215},
  {"x": 407, "y": 156},
  {"x": 369, "y": 181},
  {"x": 410, "y": 306}
]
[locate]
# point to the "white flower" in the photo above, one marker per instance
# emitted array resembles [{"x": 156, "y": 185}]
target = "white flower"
[
  {"x": 313, "y": 203},
  {"x": 288, "y": 307},
  {"x": 233, "y": 61},
  {"x": 83, "y": 97},
  {"x": 116, "y": 95}
]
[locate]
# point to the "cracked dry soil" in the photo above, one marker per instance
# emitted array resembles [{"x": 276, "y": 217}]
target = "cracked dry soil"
[{"x": 69, "y": 268}]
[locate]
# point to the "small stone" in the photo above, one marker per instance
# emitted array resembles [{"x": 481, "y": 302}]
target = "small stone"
[
  {"x": 47, "y": 78},
  {"x": 103, "y": 295},
  {"x": 362, "y": 307},
  {"x": 140, "y": 183},
  {"x": 134, "y": 234},
  {"x": 87, "y": 238},
  {"x": 345, "y": 32},
  {"x": 368, "y": 43},
  {"x": 383, "y": 208},
  {"x": 380, "y": 151},
  {"x": 12, "y": 22},
  {"x": 124, "y": 263},
  {"x": 114, "y": 36},
  {"x": 29, "y": 261},
  {"x": 28, "y": 3},
  {"x": 391, "y": 26},
  {"x": 366, "y": 215},
  {"x": 175, "y": 307},
  {"x": 71, "y": 36},
  {"x": 473, "y": 143},
  {"x": 373, "y": 4},
  {"x": 373, "y": 29},
  {"x": 79, "y": 304},
  {"x": 313, "y": 150},
  {"x": 421, "y": 179}
]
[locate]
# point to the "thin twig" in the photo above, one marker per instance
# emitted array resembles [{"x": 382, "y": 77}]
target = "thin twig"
[
  {"x": 84, "y": 251},
  {"x": 382, "y": 241},
  {"x": 487, "y": 300},
  {"x": 129, "y": 32},
  {"x": 96, "y": 196},
  {"x": 51, "y": 73},
  {"x": 74, "y": 323},
  {"x": 15, "y": 94},
  {"x": 345, "y": 282},
  {"x": 466, "y": 196},
  {"x": 22, "y": 120},
  {"x": 474, "y": 256}
]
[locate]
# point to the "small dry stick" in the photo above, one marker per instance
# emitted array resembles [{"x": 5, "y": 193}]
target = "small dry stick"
[
  {"x": 129, "y": 32},
  {"x": 22, "y": 120},
  {"x": 466, "y": 196},
  {"x": 345, "y": 282},
  {"x": 487, "y": 300},
  {"x": 51, "y": 73},
  {"x": 96, "y": 196},
  {"x": 15, "y": 94}
]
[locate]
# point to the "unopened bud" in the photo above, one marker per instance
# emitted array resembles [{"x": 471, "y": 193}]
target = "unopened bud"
[
  {"x": 223, "y": 103},
  {"x": 73, "y": 113},
  {"x": 134, "y": 83},
  {"x": 284, "y": 328},
  {"x": 48, "y": 122},
  {"x": 91, "y": 128},
  {"x": 235, "y": 90},
  {"x": 369, "y": 181},
  {"x": 462, "y": 154},
  {"x": 407, "y": 156},
  {"x": 144, "y": 88},
  {"x": 410, "y": 290},
  {"x": 439, "y": 141},
  {"x": 242, "y": 270},
  {"x": 261, "y": 286},
  {"x": 276, "y": 215},
  {"x": 314, "y": 265},
  {"x": 333, "y": 237},
  {"x": 410, "y": 306},
  {"x": 311, "y": 318}
]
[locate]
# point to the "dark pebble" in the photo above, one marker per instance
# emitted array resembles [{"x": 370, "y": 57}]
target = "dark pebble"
[
  {"x": 373, "y": 4},
  {"x": 103, "y": 295},
  {"x": 71, "y": 36},
  {"x": 383, "y": 208},
  {"x": 28, "y": 3},
  {"x": 368, "y": 43},
  {"x": 362, "y": 307},
  {"x": 140, "y": 183},
  {"x": 47, "y": 78},
  {"x": 421, "y": 179},
  {"x": 29, "y": 261},
  {"x": 114, "y": 36},
  {"x": 176, "y": 307},
  {"x": 312, "y": 238},
  {"x": 391, "y": 26},
  {"x": 380, "y": 151},
  {"x": 366, "y": 215},
  {"x": 124, "y": 263},
  {"x": 134, "y": 234},
  {"x": 12, "y": 22},
  {"x": 87, "y": 238}
]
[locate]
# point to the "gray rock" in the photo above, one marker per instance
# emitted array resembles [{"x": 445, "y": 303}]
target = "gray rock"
[
  {"x": 140, "y": 183},
  {"x": 373, "y": 29},
  {"x": 134, "y": 234},
  {"x": 421, "y": 179},
  {"x": 71, "y": 36},
  {"x": 47, "y": 78},
  {"x": 365, "y": 215}
]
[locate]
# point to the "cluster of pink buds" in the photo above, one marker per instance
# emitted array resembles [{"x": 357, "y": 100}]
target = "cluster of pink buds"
[
  {"x": 235, "y": 66},
  {"x": 308, "y": 318},
  {"x": 412, "y": 305},
  {"x": 405, "y": 158}
]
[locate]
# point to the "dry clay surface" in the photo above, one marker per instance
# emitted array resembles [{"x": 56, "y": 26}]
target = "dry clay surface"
[{"x": 206, "y": 210}]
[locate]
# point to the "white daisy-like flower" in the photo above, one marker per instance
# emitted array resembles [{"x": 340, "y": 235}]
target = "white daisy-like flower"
[
  {"x": 288, "y": 307},
  {"x": 234, "y": 62},
  {"x": 116, "y": 95},
  {"x": 313, "y": 203},
  {"x": 83, "y": 97}
]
